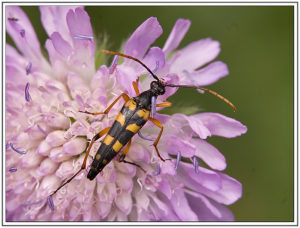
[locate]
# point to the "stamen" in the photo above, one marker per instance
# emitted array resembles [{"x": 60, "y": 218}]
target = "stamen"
[
  {"x": 178, "y": 159},
  {"x": 114, "y": 64},
  {"x": 157, "y": 172},
  {"x": 12, "y": 19},
  {"x": 83, "y": 37},
  {"x": 18, "y": 151},
  {"x": 153, "y": 107},
  {"x": 156, "y": 67},
  {"x": 196, "y": 164},
  {"x": 27, "y": 95},
  {"x": 13, "y": 169},
  {"x": 50, "y": 202},
  {"x": 7, "y": 146},
  {"x": 22, "y": 33},
  {"x": 143, "y": 137},
  {"x": 28, "y": 68},
  {"x": 41, "y": 129},
  {"x": 27, "y": 203}
]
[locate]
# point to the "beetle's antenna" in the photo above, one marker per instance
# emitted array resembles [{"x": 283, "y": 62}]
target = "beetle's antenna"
[
  {"x": 208, "y": 90},
  {"x": 130, "y": 57}
]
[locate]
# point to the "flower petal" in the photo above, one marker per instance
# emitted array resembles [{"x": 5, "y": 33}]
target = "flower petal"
[
  {"x": 79, "y": 25},
  {"x": 83, "y": 43},
  {"x": 205, "y": 177},
  {"x": 124, "y": 202},
  {"x": 230, "y": 191},
  {"x": 46, "y": 167},
  {"x": 142, "y": 37},
  {"x": 125, "y": 75},
  {"x": 195, "y": 55},
  {"x": 154, "y": 59},
  {"x": 61, "y": 45},
  {"x": 220, "y": 125},
  {"x": 209, "y": 154},
  {"x": 206, "y": 210},
  {"x": 178, "y": 32},
  {"x": 74, "y": 147},
  {"x": 208, "y": 75},
  {"x": 195, "y": 124},
  {"x": 173, "y": 144},
  {"x": 14, "y": 29},
  {"x": 182, "y": 207},
  {"x": 54, "y": 20}
]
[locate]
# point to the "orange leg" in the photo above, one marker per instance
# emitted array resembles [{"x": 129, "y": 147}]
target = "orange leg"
[
  {"x": 99, "y": 135},
  {"x": 135, "y": 86},
  {"x": 125, "y": 97},
  {"x": 122, "y": 157},
  {"x": 164, "y": 104},
  {"x": 158, "y": 124}
]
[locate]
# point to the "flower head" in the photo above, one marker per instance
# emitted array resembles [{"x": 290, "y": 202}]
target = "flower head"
[{"x": 47, "y": 135}]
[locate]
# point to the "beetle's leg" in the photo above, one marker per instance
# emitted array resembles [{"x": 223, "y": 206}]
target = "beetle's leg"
[
  {"x": 122, "y": 157},
  {"x": 99, "y": 135},
  {"x": 164, "y": 104},
  {"x": 135, "y": 86},
  {"x": 125, "y": 97},
  {"x": 158, "y": 124}
]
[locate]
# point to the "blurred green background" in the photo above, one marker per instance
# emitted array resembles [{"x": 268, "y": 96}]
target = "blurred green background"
[{"x": 257, "y": 45}]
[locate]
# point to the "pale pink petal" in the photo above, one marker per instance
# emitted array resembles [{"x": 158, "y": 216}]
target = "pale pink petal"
[
  {"x": 48, "y": 184},
  {"x": 209, "y": 154},
  {"x": 125, "y": 75},
  {"x": 196, "y": 55},
  {"x": 154, "y": 60},
  {"x": 165, "y": 188},
  {"x": 182, "y": 207},
  {"x": 14, "y": 58},
  {"x": 205, "y": 177},
  {"x": 231, "y": 190},
  {"x": 196, "y": 125},
  {"x": 221, "y": 125},
  {"x": 79, "y": 25},
  {"x": 178, "y": 32},
  {"x": 61, "y": 45},
  {"x": 54, "y": 20},
  {"x": 74, "y": 147},
  {"x": 56, "y": 138},
  {"x": 57, "y": 155},
  {"x": 173, "y": 144},
  {"x": 207, "y": 210},
  {"x": 44, "y": 148},
  {"x": 124, "y": 182},
  {"x": 103, "y": 209},
  {"x": 124, "y": 202},
  {"x": 56, "y": 120},
  {"x": 207, "y": 75},
  {"x": 31, "y": 160},
  {"x": 142, "y": 37},
  {"x": 142, "y": 199},
  {"x": 65, "y": 170},
  {"x": 46, "y": 167},
  {"x": 197, "y": 200},
  {"x": 22, "y": 31}
]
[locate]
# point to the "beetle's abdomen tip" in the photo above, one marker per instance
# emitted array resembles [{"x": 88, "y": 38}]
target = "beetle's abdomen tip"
[{"x": 92, "y": 173}]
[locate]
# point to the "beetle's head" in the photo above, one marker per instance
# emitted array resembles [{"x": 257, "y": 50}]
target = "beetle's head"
[{"x": 157, "y": 87}]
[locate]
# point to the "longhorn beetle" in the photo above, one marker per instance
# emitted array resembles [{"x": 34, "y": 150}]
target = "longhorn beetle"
[{"x": 132, "y": 117}]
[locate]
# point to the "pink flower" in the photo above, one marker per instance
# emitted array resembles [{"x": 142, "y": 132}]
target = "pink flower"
[{"x": 46, "y": 135}]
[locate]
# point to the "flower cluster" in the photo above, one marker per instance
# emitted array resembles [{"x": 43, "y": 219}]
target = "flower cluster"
[{"x": 46, "y": 135}]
